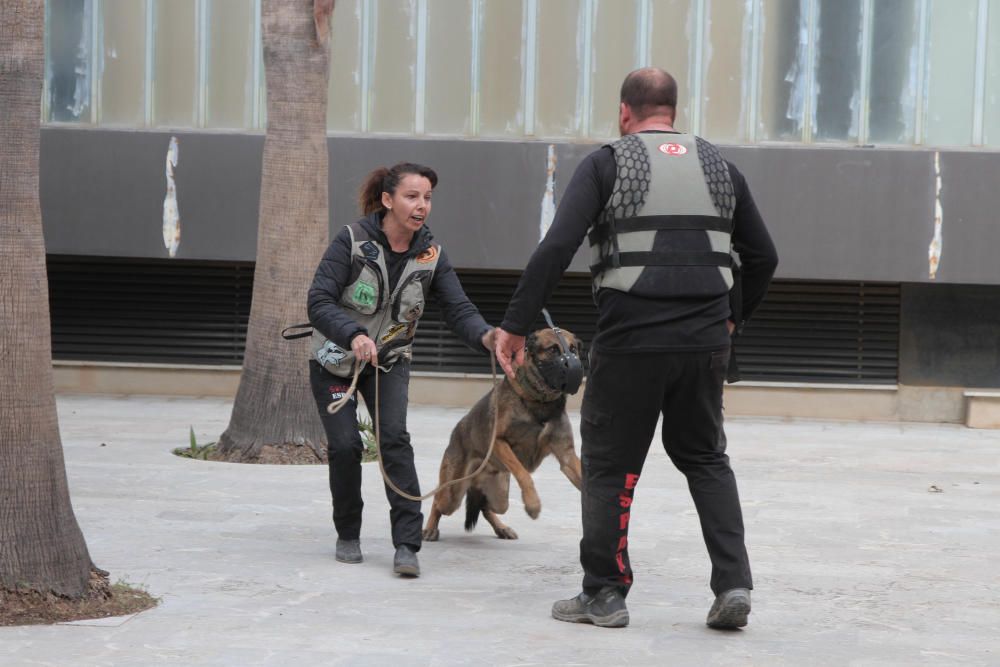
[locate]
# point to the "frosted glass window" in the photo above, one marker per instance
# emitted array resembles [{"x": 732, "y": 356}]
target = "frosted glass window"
[
  {"x": 951, "y": 53},
  {"x": 343, "y": 108},
  {"x": 671, "y": 28},
  {"x": 123, "y": 63},
  {"x": 230, "y": 84},
  {"x": 726, "y": 58},
  {"x": 784, "y": 70},
  {"x": 894, "y": 71},
  {"x": 68, "y": 59},
  {"x": 448, "y": 88},
  {"x": 175, "y": 63},
  {"x": 559, "y": 71},
  {"x": 394, "y": 57},
  {"x": 991, "y": 116},
  {"x": 614, "y": 54},
  {"x": 501, "y": 69},
  {"x": 838, "y": 71}
]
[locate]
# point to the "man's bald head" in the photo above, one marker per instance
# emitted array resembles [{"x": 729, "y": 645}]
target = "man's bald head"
[{"x": 650, "y": 91}]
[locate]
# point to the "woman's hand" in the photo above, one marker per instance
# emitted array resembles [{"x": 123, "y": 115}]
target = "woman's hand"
[{"x": 364, "y": 349}]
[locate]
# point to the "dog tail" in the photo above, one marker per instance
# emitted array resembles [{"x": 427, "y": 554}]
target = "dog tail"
[{"x": 475, "y": 503}]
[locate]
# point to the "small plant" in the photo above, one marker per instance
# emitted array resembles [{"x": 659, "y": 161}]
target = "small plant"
[
  {"x": 368, "y": 439},
  {"x": 194, "y": 450}
]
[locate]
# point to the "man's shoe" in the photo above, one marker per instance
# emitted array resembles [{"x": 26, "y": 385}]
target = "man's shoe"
[
  {"x": 405, "y": 562},
  {"x": 349, "y": 551},
  {"x": 606, "y": 608},
  {"x": 730, "y": 609}
]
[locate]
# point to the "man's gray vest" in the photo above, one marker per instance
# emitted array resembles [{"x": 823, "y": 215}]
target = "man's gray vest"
[
  {"x": 665, "y": 232},
  {"x": 391, "y": 319}
]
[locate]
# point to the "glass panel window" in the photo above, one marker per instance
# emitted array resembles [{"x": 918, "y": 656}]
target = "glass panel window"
[
  {"x": 560, "y": 68},
  {"x": 175, "y": 63},
  {"x": 230, "y": 67},
  {"x": 671, "y": 36},
  {"x": 726, "y": 56},
  {"x": 614, "y": 53},
  {"x": 68, "y": 69},
  {"x": 123, "y": 63},
  {"x": 501, "y": 69},
  {"x": 951, "y": 67},
  {"x": 894, "y": 71},
  {"x": 448, "y": 88},
  {"x": 838, "y": 71},
  {"x": 394, "y": 54},
  {"x": 784, "y": 70},
  {"x": 991, "y": 115},
  {"x": 343, "y": 107}
]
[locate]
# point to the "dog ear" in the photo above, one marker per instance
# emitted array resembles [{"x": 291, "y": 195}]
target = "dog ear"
[{"x": 531, "y": 344}]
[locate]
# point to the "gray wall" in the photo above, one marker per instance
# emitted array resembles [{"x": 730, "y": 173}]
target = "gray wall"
[{"x": 835, "y": 213}]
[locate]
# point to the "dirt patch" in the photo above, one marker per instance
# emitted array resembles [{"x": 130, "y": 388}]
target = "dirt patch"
[
  {"x": 287, "y": 454},
  {"x": 103, "y": 600}
]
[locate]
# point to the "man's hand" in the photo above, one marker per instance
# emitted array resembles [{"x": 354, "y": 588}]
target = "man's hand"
[
  {"x": 510, "y": 351},
  {"x": 731, "y": 326},
  {"x": 489, "y": 339},
  {"x": 364, "y": 349}
]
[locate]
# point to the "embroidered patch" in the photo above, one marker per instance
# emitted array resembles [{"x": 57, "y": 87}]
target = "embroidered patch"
[
  {"x": 427, "y": 256},
  {"x": 338, "y": 391},
  {"x": 369, "y": 250},
  {"x": 364, "y": 294},
  {"x": 392, "y": 332},
  {"x": 673, "y": 149},
  {"x": 330, "y": 354}
]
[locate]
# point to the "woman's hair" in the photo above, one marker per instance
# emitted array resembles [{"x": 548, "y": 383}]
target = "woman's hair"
[{"x": 387, "y": 180}]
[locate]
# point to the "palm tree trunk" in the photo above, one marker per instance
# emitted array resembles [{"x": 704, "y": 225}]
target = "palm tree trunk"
[
  {"x": 41, "y": 546},
  {"x": 274, "y": 405}
]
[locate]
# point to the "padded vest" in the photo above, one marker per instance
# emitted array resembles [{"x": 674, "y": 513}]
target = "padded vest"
[
  {"x": 666, "y": 230},
  {"x": 390, "y": 318}
]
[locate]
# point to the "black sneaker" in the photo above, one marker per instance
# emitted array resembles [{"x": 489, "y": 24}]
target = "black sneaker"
[
  {"x": 349, "y": 551},
  {"x": 730, "y": 609},
  {"x": 606, "y": 608},
  {"x": 405, "y": 562}
]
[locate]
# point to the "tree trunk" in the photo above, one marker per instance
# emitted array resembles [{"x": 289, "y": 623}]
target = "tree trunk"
[
  {"x": 41, "y": 546},
  {"x": 274, "y": 404}
]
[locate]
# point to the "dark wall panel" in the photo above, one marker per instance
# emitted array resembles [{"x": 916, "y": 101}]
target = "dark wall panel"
[{"x": 950, "y": 335}]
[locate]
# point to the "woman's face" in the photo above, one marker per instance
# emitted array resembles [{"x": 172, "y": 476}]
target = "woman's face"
[{"x": 408, "y": 207}]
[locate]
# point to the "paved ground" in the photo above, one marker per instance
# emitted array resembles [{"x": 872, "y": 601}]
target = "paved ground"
[{"x": 872, "y": 544}]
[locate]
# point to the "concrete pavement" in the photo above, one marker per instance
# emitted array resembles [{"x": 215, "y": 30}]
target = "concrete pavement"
[{"x": 872, "y": 544}]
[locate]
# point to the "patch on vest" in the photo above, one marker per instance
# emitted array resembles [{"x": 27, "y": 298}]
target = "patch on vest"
[
  {"x": 369, "y": 250},
  {"x": 330, "y": 354},
  {"x": 393, "y": 331},
  {"x": 673, "y": 149},
  {"x": 427, "y": 256},
  {"x": 364, "y": 294}
]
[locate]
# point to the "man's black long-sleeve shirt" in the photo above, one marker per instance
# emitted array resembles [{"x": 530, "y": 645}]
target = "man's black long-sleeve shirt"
[{"x": 629, "y": 323}]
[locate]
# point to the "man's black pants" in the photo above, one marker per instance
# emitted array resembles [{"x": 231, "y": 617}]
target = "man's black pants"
[
  {"x": 344, "y": 449},
  {"x": 625, "y": 395}
]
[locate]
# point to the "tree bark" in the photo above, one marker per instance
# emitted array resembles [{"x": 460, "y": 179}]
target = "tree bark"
[
  {"x": 41, "y": 546},
  {"x": 274, "y": 404}
]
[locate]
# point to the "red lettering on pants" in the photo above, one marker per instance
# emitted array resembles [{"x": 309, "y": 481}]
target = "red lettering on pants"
[
  {"x": 624, "y": 501},
  {"x": 623, "y": 521},
  {"x": 622, "y": 543},
  {"x": 621, "y": 562},
  {"x": 630, "y": 481}
]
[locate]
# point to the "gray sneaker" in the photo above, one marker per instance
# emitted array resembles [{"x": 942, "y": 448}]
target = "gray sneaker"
[
  {"x": 405, "y": 561},
  {"x": 606, "y": 608},
  {"x": 349, "y": 551},
  {"x": 730, "y": 609}
]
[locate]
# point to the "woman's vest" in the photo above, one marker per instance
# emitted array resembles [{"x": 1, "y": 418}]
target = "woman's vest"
[
  {"x": 665, "y": 231},
  {"x": 390, "y": 318}
]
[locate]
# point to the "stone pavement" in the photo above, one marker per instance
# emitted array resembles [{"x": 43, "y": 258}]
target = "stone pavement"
[{"x": 872, "y": 544}]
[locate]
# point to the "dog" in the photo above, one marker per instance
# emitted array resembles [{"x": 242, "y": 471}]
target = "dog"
[{"x": 531, "y": 423}]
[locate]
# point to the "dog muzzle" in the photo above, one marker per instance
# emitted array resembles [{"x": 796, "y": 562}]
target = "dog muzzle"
[{"x": 565, "y": 372}]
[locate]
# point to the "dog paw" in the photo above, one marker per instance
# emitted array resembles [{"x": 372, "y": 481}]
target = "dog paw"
[
  {"x": 533, "y": 509},
  {"x": 431, "y": 534},
  {"x": 506, "y": 533}
]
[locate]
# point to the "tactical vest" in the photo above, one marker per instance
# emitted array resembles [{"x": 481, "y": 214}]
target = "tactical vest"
[
  {"x": 390, "y": 318},
  {"x": 665, "y": 231}
]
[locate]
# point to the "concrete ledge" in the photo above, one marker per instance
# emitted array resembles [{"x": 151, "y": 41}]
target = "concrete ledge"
[
  {"x": 982, "y": 408},
  {"x": 975, "y": 408}
]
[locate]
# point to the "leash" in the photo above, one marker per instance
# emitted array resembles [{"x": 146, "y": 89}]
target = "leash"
[{"x": 337, "y": 405}]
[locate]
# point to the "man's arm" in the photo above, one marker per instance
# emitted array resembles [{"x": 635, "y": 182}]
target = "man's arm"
[
  {"x": 581, "y": 204},
  {"x": 753, "y": 243}
]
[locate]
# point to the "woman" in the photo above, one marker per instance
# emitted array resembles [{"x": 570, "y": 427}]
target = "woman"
[{"x": 366, "y": 298}]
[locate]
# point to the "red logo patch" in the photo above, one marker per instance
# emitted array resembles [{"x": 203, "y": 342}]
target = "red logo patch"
[
  {"x": 427, "y": 256},
  {"x": 673, "y": 149}
]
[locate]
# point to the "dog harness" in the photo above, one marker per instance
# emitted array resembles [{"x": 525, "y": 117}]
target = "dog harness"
[
  {"x": 665, "y": 231},
  {"x": 390, "y": 318}
]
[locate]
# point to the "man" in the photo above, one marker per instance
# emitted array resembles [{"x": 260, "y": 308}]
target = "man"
[{"x": 662, "y": 211}]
